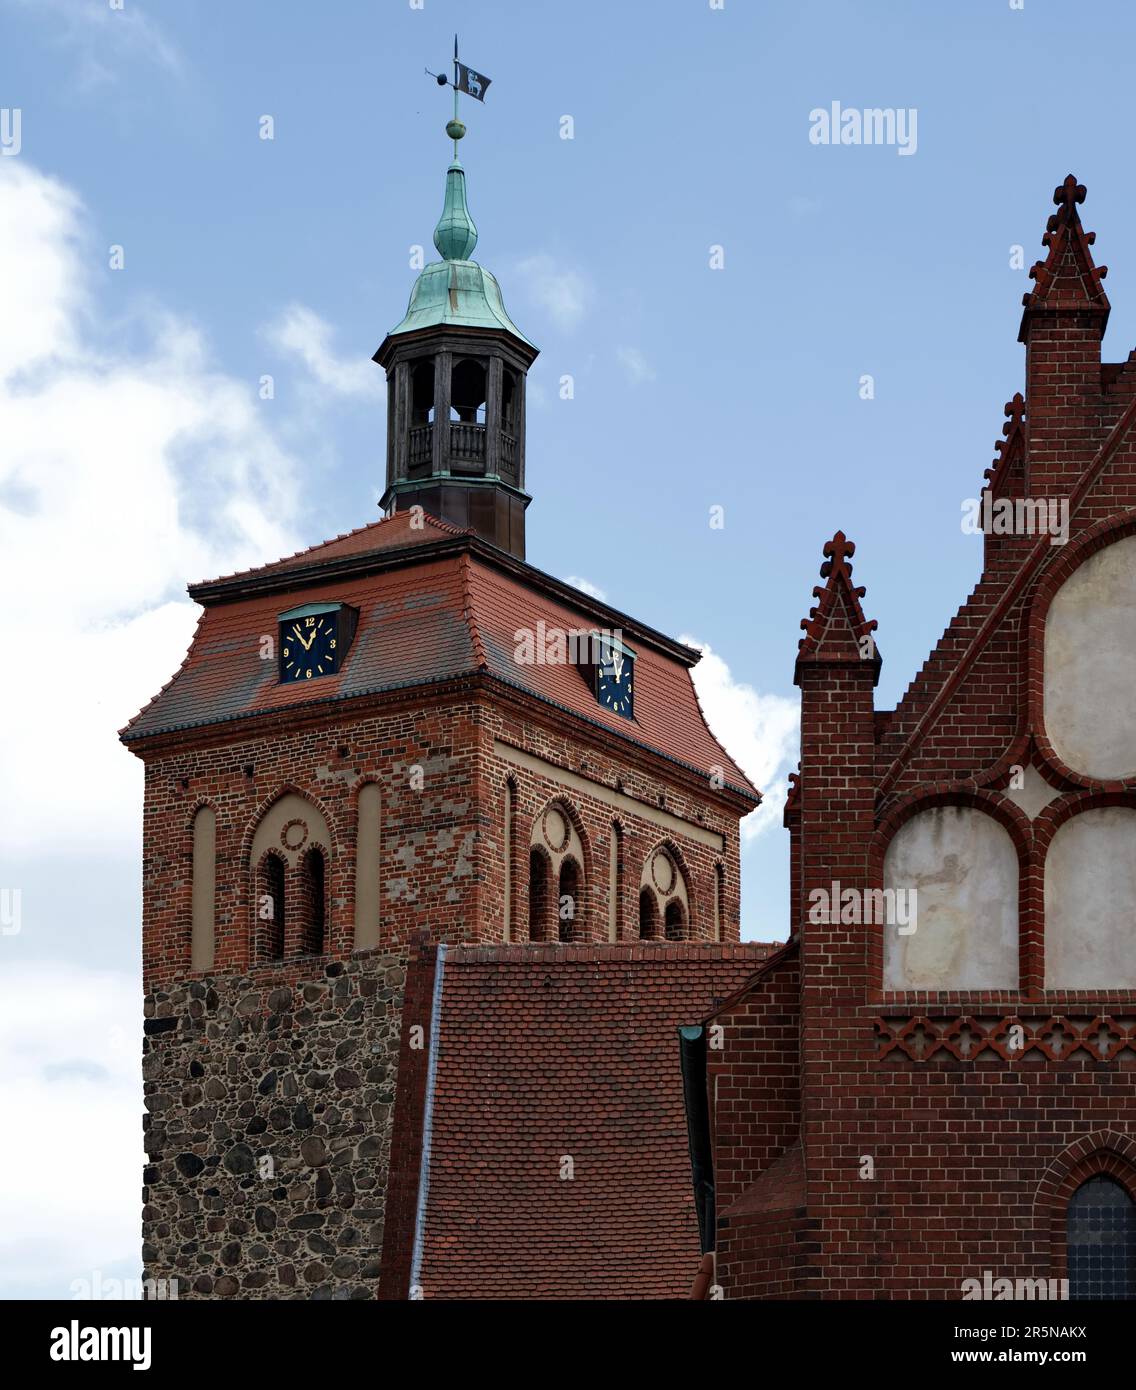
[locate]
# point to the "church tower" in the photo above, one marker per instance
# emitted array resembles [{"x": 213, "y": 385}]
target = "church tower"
[{"x": 398, "y": 742}]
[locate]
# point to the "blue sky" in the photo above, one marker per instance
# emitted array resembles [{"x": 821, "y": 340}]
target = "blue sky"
[{"x": 135, "y": 454}]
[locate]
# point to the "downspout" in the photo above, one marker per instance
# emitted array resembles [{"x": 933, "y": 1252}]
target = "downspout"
[
  {"x": 692, "y": 1059},
  {"x": 415, "y": 1291}
]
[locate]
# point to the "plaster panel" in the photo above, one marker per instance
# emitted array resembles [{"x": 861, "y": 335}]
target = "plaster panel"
[
  {"x": 1090, "y": 665},
  {"x": 964, "y": 868},
  {"x": 1090, "y": 898}
]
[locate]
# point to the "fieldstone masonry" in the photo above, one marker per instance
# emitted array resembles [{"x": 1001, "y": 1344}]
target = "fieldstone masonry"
[{"x": 269, "y": 1101}]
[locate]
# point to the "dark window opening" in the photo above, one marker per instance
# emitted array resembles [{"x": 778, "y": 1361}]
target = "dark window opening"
[
  {"x": 648, "y": 916},
  {"x": 467, "y": 392},
  {"x": 1101, "y": 1228},
  {"x": 675, "y": 921},
  {"x": 538, "y": 896},
  {"x": 422, "y": 394},
  {"x": 509, "y": 402},
  {"x": 270, "y": 907},
  {"x": 568, "y": 905},
  {"x": 314, "y": 873}
]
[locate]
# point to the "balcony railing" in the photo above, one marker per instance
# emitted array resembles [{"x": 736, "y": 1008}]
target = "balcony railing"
[
  {"x": 467, "y": 448},
  {"x": 467, "y": 443}
]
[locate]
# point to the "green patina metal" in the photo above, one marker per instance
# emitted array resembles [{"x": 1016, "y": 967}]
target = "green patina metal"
[{"x": 456, "y": 291}]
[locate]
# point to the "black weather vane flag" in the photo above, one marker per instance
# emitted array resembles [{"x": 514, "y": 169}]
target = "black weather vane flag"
[{"x": 465, "y": 79}]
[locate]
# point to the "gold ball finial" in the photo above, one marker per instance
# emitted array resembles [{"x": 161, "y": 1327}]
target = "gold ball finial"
[{"x": 455, "y": 129}]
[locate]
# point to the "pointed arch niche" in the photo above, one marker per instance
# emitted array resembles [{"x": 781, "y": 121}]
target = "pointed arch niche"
[
  {"x": 291, "y": 889},
  {"x": 557, "y": 875},
  {"x": 664, "y": 900}
]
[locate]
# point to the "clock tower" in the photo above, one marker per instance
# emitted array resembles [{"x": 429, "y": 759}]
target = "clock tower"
[{"x": 398, "y": 742}]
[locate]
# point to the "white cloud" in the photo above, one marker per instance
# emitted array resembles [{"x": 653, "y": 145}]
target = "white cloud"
[
  {"x": 585, "y": 586},
  {"x": 635, "y": 365},
  {"x": 120, "y": 475},
  {"x": 104, "y": 39},
  {"x": 760, "y": 732},
  {"x": 563, "y": 293},
  {"x": 301, "y": 333},
  {"x": 71, "y": 1095}
]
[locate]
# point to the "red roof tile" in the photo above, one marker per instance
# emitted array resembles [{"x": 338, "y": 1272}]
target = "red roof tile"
[
  {"x": 555, "y": 1053},
  {"x": 438, "y": 617}
]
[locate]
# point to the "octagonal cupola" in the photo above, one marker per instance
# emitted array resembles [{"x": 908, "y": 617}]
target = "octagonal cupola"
[{"x": 456, "y": 367}]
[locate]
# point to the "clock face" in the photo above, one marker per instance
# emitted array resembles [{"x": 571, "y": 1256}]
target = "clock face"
[
  {"x": 613, "y": 681},
  {"x": 309, "y": 647}
]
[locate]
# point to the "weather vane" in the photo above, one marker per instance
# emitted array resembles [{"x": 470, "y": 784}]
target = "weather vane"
[{"x": 465, "y": 79}]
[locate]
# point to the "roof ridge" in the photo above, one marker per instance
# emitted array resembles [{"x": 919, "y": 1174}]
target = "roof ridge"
[
  {"x": 468, "y": 612},
  {"x": 718, "y": 742},
  {"x": 1012, "y": 591},
  {"x": 786, "y": 951},
  {"x": 158, "y": 695},
  {"x": 434, "y": 521}
]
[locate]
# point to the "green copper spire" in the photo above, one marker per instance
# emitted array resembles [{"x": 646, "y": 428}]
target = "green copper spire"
[
  {"x": 455, "y": 236},
  {"x": 456, "y": 290}
]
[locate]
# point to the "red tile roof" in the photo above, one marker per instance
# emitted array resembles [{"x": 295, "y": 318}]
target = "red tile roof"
[
  {"x": 554, "y": 1053},
  {"x": 437, "y": 617},
  {"x": 391, "y": 533}
]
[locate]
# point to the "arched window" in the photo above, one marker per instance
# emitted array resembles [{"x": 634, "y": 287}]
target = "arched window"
[
  {"x": 648, "y": 916},
  {"x": 422, "y": 393},
  {"x": 508, "y": 401},
  {"x": 538, "y": 895},
  {"x": 674, "y": 921},
  {"x": 557, "y": 891},
  {"x": 284, "y": 881},
  {"x": 664, "y": 904},
  {"x": 1101, "y": 1232},
  {"x": 467, "y": 392},
  {"x": 314, "y": 903},
  {"x": 270, "y": 907},
  {"x": 568, "y": 900}
]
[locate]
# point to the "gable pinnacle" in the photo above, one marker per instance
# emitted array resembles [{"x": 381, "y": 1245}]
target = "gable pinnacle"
[
  {"x": 838, "y": 595},
  {"x": 1068, "y": 279}
]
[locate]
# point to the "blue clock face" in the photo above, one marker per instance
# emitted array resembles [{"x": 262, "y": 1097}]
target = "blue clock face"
[
  {"x": 613, "y": 681},
  {"x": 309, "y": 647}
]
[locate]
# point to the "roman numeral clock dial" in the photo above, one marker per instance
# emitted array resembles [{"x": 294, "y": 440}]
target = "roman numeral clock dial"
[{"x": 314, "y": 640}]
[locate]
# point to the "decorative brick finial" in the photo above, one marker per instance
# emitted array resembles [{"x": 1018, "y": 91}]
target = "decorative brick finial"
[
  {"x": 1015, "y": 411},
  {"x": 839, "y": 552},
  {"x": 1066, "y": 196}
]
